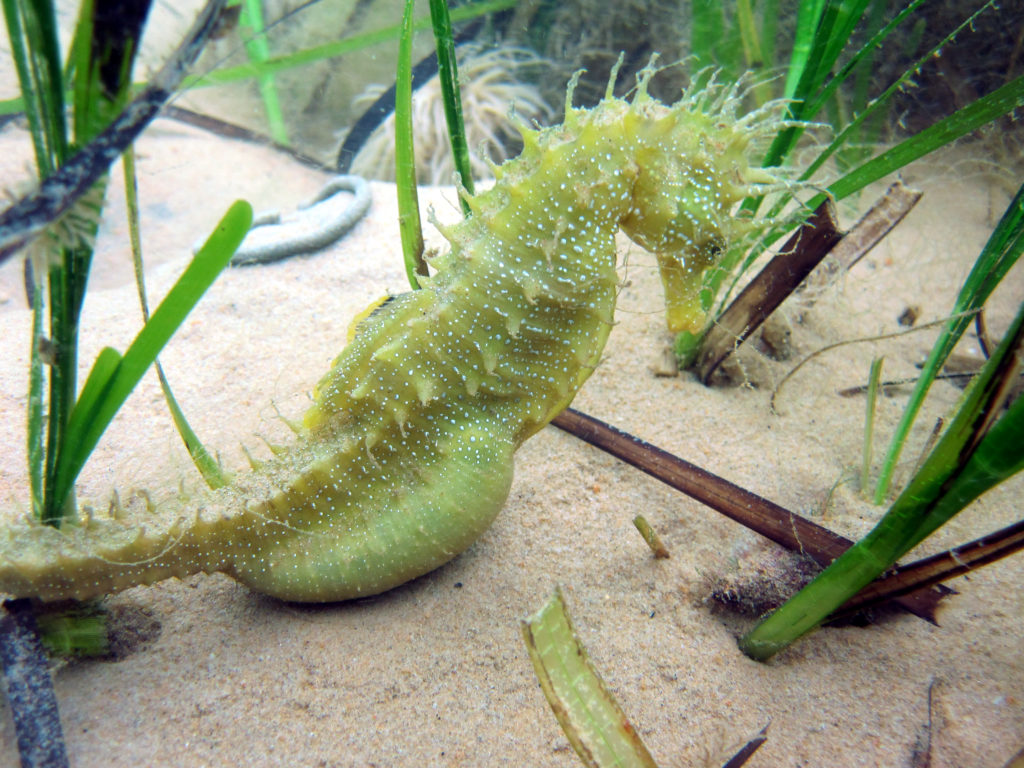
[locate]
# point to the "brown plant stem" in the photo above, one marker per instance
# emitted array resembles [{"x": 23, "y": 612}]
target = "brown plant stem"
[
  {"x": 756, "y": 513},
  {"x": 801, "y": 253},
  {"x": 937, "y": 568}
]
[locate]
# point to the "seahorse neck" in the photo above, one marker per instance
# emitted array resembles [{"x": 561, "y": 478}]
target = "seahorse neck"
[{"x": 545, "y": 284}]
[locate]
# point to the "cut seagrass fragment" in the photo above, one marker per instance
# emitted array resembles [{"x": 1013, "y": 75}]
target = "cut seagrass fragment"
[
  {"x": 651, "y": 537},
  {"x": 590, "y": 716}
]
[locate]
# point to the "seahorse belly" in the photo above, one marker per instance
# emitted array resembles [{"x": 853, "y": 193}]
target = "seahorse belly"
[
  {"x": 387, "y": 519},
  {"x": 407, "y": 454}
]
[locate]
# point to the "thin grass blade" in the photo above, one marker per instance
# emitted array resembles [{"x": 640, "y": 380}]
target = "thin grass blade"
[
  {"x": 34, "y": 443},
  {"x": 32, "y": 31},
  {"x": 106, "y": 390},
  {"x": 752, "y": 55},
  {"x": 102, "y": 53},
  {"x": 1001, "y": 252},
  {"x": 876, "y": 105},
  {"x": 449, "y": 76},
  {"x": 869, "y": 130},
  {"x": 874, "y": 376},
  {"x": 213, "y": 473},
  {"x": 258, "y": 50},
  {"x": 965, "y": 463},
  {"x": 35, "y": 49},
  {"x": 757, "y": 49},
  {"x": 275, "y": 64},
  {"x": 90, "y": 400},
  {"x": 405, "y": 157},
  {"x": 841, "y": 19},
  {"x": 769, "y": 31},
  {"x": 808, "y": 17},
  {"x": 999, "y": 102},
  {"x": 706, "y": 28},
  {"x": 207, "y": 465},
  {"x": 832, "y": 29}
]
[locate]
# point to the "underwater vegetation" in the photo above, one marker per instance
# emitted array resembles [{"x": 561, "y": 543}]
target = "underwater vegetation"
[{"x": 406, "y": 454}]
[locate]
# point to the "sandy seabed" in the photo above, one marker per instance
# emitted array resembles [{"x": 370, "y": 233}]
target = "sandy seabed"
[{"x": 435, "y": 673}]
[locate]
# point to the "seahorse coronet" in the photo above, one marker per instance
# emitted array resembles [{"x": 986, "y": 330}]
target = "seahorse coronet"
[{"x": 406, "y": 455}]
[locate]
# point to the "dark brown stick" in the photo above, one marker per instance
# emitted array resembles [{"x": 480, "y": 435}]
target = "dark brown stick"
[
  {"x": 801, "y": 253},
  {"x": 937, "y": 568},
  {"x": 759, "y": 514},
  {"x": 888, "y": 211}
]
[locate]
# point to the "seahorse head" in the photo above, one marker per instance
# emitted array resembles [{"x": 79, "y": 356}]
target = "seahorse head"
[{"x": 693, "y": 168}]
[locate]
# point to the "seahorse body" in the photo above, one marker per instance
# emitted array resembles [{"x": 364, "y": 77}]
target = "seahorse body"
[{"x": 407, "y": 452}]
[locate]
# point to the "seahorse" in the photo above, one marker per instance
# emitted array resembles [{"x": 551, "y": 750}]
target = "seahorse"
[{"x": 406, "y": 455}]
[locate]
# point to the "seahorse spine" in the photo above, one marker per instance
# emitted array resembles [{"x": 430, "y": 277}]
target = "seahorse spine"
[{"x": 407, "y": 451}]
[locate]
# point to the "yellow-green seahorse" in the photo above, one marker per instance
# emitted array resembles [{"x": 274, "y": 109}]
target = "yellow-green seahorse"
[{"x": 407, "y": 452}]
